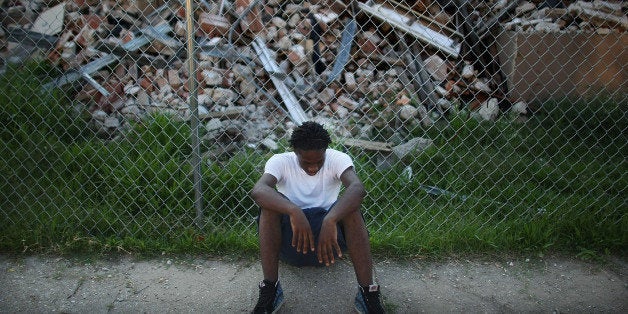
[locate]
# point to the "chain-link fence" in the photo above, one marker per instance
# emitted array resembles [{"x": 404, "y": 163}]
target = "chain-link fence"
[{"x": 461, "y": 115}]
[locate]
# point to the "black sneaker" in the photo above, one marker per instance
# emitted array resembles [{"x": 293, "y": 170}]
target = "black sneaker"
[
  {"x": 368, "y": 302},
  {"x": 270, "y": 297}
]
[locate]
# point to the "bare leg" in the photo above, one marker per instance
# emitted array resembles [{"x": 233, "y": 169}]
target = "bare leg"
[
  {"x": 270, "y": 243},
  {"x": 359, "y": 248}
]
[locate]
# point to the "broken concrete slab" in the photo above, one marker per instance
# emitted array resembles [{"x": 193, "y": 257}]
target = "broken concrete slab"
[
  {"x": 531, "y": 60},
  {"x": 412, "y": 147},
  {"x": 50, "y": 22}
]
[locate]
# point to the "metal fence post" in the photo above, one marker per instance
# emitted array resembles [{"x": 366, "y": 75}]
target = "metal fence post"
[{"x": 194, "y": 119}]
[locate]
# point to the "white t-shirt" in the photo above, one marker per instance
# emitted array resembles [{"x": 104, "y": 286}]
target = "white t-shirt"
[{"x": 320, "y": 190}]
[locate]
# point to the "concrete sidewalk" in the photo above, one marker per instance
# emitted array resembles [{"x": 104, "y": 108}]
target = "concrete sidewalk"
[{"x": 182, "y": 284}]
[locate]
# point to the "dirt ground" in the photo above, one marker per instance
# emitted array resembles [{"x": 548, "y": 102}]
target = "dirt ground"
[{"x": 180, "y": 284}]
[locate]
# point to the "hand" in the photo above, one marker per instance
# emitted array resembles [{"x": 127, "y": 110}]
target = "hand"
[
  {"x": 302, "y": 236},
  {"x": 328, "y": 242}
]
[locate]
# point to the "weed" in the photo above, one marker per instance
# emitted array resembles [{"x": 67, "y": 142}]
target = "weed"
[{"x": 481, "y": 187}]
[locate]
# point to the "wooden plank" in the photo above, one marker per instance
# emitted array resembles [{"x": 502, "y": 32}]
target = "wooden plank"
[
  {"x": 367, "y": 145},
  {"x": 28, "y": 37},
  {"x": 160, "y": 35},
  {"x": 295, "y": 111},
  {"x": 87, "y": 69},
  {"x": 414, "y": 28},
  {"x": 348, "y": 33}
]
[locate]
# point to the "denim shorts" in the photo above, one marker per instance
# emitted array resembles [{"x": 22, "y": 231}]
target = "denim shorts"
[{"x": 289, "y": 255}]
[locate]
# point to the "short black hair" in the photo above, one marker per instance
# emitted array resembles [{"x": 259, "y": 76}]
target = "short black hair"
[{"x": 310, "y": 136}]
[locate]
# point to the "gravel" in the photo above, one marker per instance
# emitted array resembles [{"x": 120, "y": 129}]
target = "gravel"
[{"x": 169, "y": 284}]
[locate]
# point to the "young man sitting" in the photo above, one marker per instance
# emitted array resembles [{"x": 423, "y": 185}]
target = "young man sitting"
[{"x": 303, "y": 220}]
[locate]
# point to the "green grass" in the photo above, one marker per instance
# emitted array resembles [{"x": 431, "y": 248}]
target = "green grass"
[{"x": 554, "y": 183}]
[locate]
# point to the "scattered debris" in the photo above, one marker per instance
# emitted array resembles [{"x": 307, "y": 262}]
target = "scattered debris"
[{"x": 396, "y": 64}]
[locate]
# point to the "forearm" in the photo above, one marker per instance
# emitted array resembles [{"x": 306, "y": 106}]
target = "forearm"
[
  {"x": 349, "y": 202},
  {"x": 269, "y": 199}
]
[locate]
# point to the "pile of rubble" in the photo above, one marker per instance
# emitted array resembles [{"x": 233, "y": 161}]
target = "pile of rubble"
[
  {"x": 364, "y": 69},
  {"x": 601, "y": 17}
]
